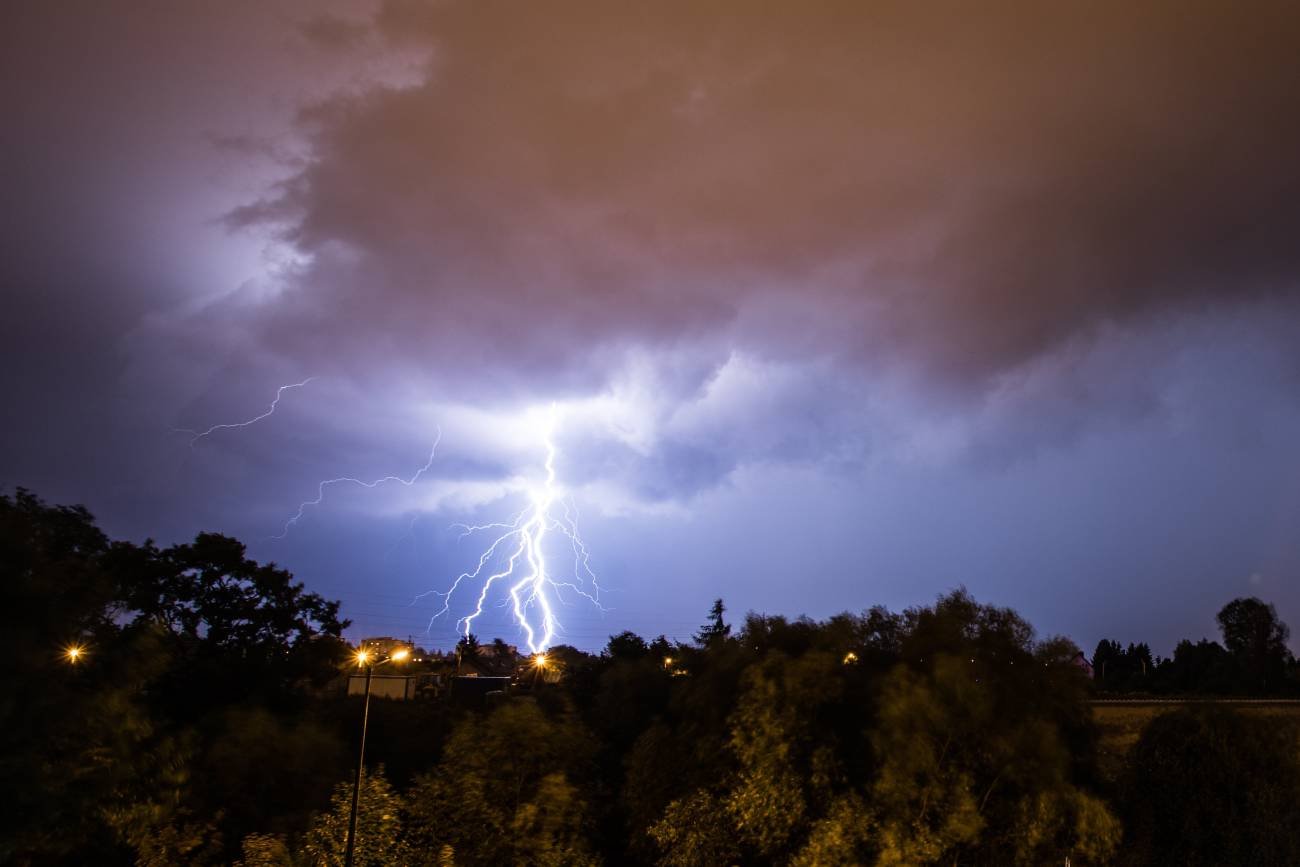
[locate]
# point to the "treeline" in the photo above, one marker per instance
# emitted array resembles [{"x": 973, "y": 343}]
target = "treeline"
[
  {"x": 1253, "y": 659},
  {"x": 197, "y": 727}
]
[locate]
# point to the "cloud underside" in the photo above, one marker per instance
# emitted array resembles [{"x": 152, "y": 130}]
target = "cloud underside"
[{"x": 954, "y": 194}]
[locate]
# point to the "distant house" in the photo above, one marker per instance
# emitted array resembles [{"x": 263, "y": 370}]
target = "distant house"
[
  {"x": 402, "y": 687},
  {"x": 1082, "y": 662},
  {"x": 493, "y": 651},
  {"x": 386, "y": 645},
  {"x": 399, "y": 686},
  {"x": 469, "y": 666}
]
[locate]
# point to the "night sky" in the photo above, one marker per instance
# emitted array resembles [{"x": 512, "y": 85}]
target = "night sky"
[{"x": 838, "y": 303}]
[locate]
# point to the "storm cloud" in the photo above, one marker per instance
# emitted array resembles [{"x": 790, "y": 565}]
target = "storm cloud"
[
  {"x": 830, "y": 254},
  {"x": 877, "y": 184}
]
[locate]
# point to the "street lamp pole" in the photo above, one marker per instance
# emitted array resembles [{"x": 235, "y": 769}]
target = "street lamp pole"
[
  {"x": 363, "y": 658},
  {"x": 356, "y": 782}
]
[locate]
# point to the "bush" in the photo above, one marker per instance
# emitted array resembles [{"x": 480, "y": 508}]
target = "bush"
[{"x": 1213, "y": 787}]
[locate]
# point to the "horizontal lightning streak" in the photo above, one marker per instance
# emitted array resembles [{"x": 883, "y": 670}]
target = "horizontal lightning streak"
[
  {"x": 196, "y": 435},
  {"x": 320, "y": 489}
]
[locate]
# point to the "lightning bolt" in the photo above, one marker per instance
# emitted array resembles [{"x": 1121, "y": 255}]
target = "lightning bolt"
[
  {"x": 516, "y": 556},
  {"x": 320, "y": 488},
  {"x": 196, "y": 435},
  {"x": 519, "y": 551}
]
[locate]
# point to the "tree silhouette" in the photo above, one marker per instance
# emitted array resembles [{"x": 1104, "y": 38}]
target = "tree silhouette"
[
  {"x": 1256, "y": 638},
  {"x": 467, "y": 649},
  {"x": 626, "y": 646},
  {"x": 715, "y": 630}
]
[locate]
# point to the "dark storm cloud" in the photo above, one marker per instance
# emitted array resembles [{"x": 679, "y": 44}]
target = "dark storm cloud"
[
  {"x": 962, "y": 192},
  {"x": 116, "y": 160},
  {"x": 334, "y": 32}
]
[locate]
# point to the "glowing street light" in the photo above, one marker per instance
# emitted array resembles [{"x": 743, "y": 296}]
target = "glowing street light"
[
  {"x": 539, "y": 665},
  {"x": 73, "y": 653},
  {"x": 368, "y": 661}
]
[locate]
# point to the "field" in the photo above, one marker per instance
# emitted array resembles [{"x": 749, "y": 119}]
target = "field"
[{"x": 1120, "y": 723}]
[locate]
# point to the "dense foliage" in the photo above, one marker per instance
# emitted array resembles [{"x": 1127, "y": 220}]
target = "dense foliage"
[
  {"x": 186, "y": 718},
  {"x": 200, "y": 726}
]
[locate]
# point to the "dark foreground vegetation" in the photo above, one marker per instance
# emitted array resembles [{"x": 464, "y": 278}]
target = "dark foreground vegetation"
[{"x": 204, "y": 724}]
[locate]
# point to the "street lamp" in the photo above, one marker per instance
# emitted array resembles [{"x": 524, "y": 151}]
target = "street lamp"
[
  {"x": 369, "y": 661},
  {"x": 73, "y": 653},
  {"x": 539, "y": 665}
]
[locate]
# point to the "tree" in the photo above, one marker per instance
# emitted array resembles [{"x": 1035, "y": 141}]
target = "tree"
[
  {"x": 971, "y": 770},
  {"x": 380, "y": 813},
  {"x": 264, "y": 850},
  {"x": 488, "y": 797},
  {"x": 629, "y": 695},
  {"x": 715, "y": 631},
  {"x": 237, "y": 630},
  {"x": 467, "y": 649},
  {"x": 661, "y": 648},
  {"x": 1256, "y": 638},
  {"x": 953, "y": 737},
  {"x": 266, "y": 772},
  {"x": 1201, "y": 667},
  {"x": 694, "y": 831},
  {"x": 1212, "y": 786},
  {"x": 111, "y": 756},
  {"x": 553, "y": 828},
  {"x": 501, "y": 650},
  {"x": 626, "y": 645},
  {"x": 1108, "y": 664},
  {"x": 787, "y": 755},
  {"x": 1140, "y": 662},
  {"x": 74, "y": 739}
]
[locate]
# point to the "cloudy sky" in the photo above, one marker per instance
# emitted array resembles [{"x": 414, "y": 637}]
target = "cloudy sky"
[{"x": 837, "y": 304}]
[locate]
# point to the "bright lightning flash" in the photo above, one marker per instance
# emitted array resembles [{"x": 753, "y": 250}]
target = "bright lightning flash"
[{"x": 522, "y": 544}]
